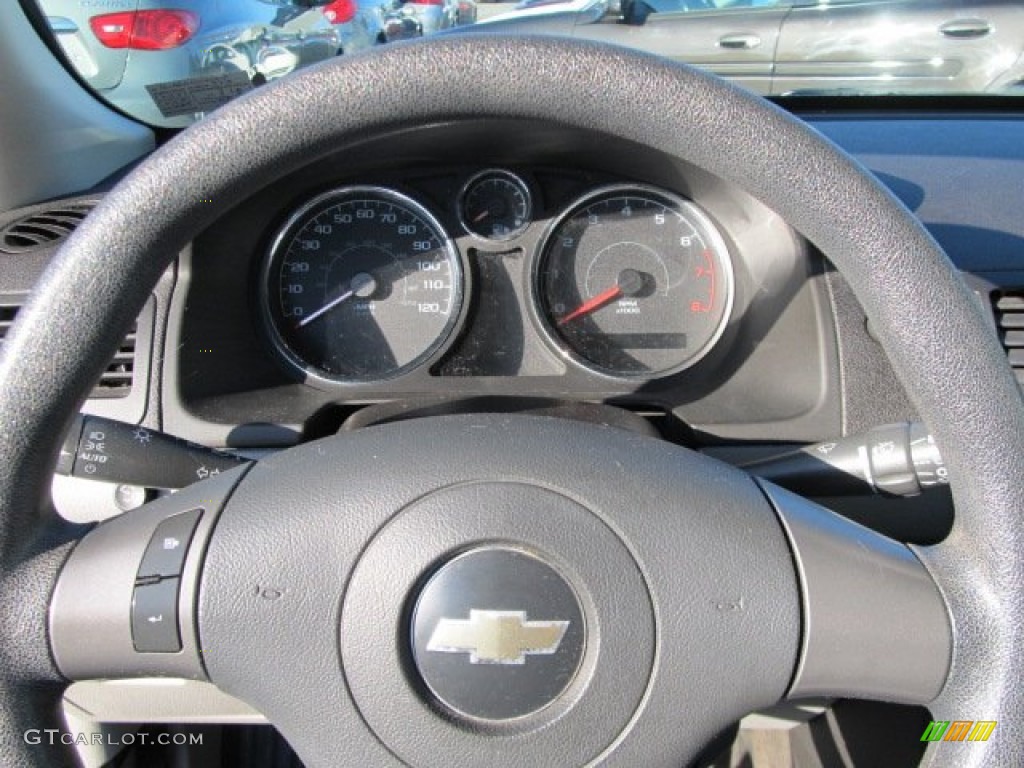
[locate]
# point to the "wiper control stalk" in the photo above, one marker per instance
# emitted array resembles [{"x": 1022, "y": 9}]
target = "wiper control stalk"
[{"x": 895, "y": 459}]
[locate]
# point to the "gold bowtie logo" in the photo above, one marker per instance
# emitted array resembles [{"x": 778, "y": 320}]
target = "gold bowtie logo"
[{"x": 497, "y": 637}]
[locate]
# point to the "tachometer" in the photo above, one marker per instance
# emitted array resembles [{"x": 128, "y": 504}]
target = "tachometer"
[
  {"x": 634, "y": 282},
  {"x": 361, "y": 284}
]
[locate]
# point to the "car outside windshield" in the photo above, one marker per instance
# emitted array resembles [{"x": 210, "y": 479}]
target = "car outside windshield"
[{"x": 170, "y": 62}]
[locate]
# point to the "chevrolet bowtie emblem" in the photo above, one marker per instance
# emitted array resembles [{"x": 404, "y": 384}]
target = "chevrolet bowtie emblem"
[{"x": 497, "y": 637}]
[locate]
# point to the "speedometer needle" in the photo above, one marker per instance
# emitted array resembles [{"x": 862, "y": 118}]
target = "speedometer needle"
[
  {"x": 591, "y": 304},
  {"x": 361, "y": 285}
]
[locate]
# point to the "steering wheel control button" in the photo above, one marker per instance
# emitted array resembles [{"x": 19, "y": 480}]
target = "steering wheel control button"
[
  {"x": 155, "y": 617},
  {"x": 165, "y": 553},
  {"x": 497, "y": 634}
]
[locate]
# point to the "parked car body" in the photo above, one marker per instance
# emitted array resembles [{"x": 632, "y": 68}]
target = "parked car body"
[
  {"x": 466, "y": 13},
  {"x": 534, "y": 16},
  {"x": 437, "y": 15},
  {"x": 780, "y": 47},
  {"x": 402, "y": 23},
  {"x": 128, "y": 48},
  {"x": 524, "y": 4}
]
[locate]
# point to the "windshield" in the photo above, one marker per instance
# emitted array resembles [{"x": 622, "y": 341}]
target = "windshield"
[{"x": 170, "y": 62}]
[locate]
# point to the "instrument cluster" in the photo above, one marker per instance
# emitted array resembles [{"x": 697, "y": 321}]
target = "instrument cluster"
[{"x": 364, "y": 283}]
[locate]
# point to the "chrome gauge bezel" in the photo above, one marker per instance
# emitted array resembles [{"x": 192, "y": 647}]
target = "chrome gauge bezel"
[
  {"x": 309, "y": 372},
  {"x": 514, "y": 179},
  {"x": 553, "y": 338}
]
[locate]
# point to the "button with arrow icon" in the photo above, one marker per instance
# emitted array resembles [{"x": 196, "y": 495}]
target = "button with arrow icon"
[{"x": 155, "y": 617}]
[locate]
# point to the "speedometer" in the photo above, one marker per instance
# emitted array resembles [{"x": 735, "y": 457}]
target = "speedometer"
[
  {"x": 634, "y": 282},
  {"x": 361, "y": 284}
]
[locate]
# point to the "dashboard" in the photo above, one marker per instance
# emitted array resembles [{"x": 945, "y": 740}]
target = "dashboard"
[
  {"x": 437, "y": 265},
  {"x": 737, "y": 333}
]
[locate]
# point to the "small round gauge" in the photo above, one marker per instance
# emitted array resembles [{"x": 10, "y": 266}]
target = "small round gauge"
[
  {"x": 634, "y": 282},
  {"x": 495, "y": 205},
  {"x": 361, "y": 284}
]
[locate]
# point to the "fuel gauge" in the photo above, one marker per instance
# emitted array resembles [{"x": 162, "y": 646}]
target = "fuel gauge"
[{"x": 495, "y": 205}]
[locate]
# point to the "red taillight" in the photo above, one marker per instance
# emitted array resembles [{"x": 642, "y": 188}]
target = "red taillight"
[
  {"x": 428, "y": 2},
  {"x": 340, "y": 11},
  {"x": 145, "y": 30}
]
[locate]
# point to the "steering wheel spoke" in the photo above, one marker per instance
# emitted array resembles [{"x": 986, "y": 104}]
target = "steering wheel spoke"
[
  {"x": 875, "y": 625},
  {"x": 124, "y": 603}
]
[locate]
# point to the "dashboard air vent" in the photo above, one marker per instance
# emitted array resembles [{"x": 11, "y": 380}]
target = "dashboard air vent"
[
  {"x": 43, "y": 229},
  {"x": 7, "y": 314},
  {"x": 115, "y": 381},
  {"x": 1009, "y": 306}
]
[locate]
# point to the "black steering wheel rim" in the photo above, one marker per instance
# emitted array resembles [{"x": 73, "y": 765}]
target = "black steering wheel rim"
[{"x": 929, "y": 323}]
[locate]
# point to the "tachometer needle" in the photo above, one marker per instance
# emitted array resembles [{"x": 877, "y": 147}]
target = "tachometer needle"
[
  {"x": 361, "y": 285},
  {"x": 591, "y": 304},
  {"x": 630, "y": 283}
]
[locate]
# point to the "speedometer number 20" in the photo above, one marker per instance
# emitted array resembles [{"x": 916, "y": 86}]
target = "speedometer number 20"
[{"x": 361, "y": 284}]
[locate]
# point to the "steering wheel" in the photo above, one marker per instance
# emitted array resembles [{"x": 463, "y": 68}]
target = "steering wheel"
[{"x": 513, "y": 590}]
